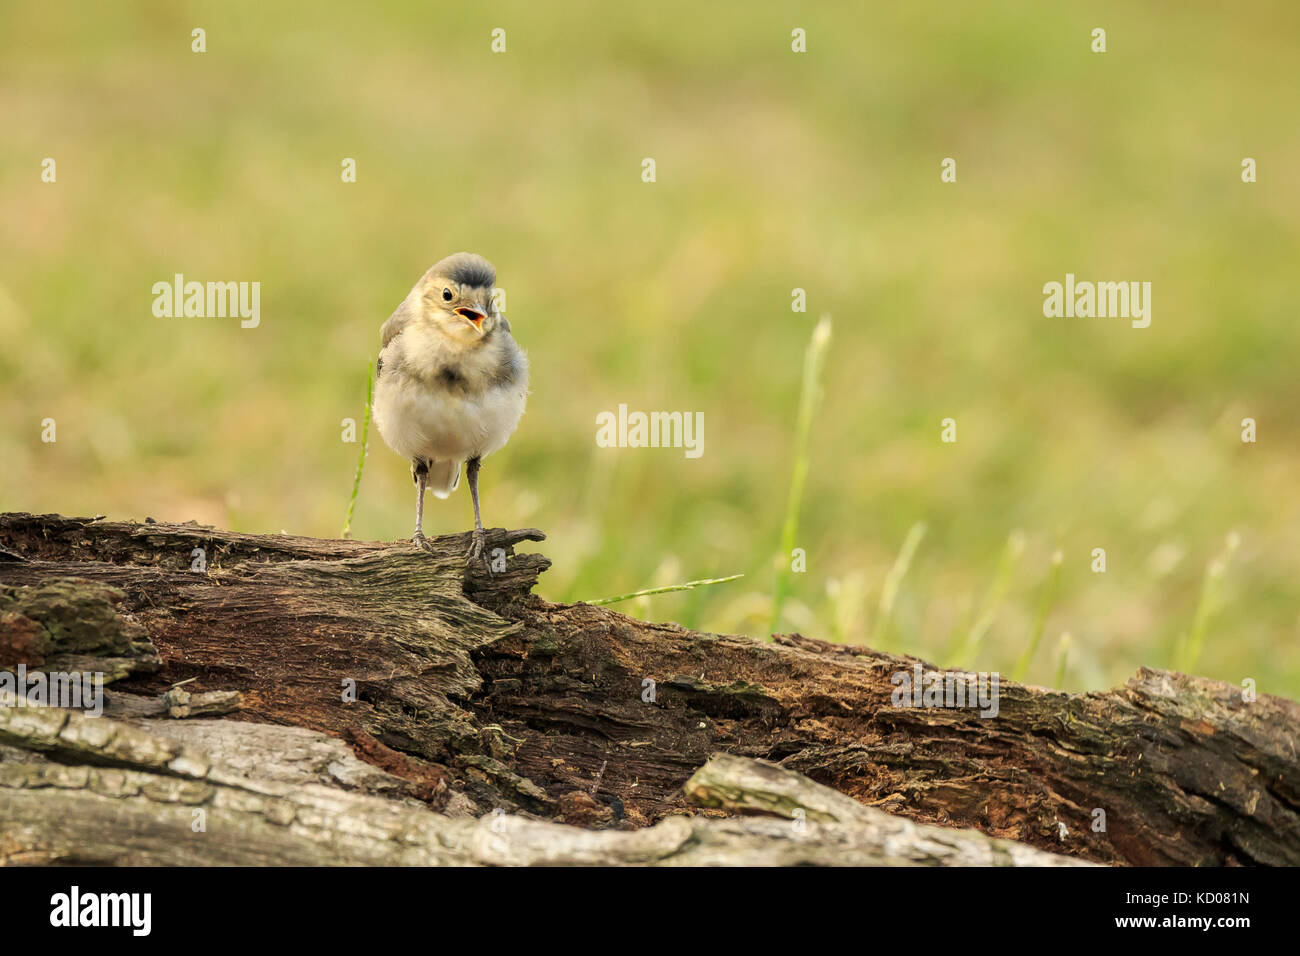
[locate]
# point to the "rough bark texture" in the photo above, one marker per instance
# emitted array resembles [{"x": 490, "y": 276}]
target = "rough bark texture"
[{"x": 376, "y": 699}]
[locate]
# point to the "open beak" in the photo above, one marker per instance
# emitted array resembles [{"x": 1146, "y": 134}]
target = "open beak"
[{"x": 473, "y": 316}]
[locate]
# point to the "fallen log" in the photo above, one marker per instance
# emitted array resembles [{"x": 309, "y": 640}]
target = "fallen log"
[{"x": 454, "y": 693}]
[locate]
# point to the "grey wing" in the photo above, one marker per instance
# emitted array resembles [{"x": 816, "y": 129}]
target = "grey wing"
[{"x": 396, "y": 323}]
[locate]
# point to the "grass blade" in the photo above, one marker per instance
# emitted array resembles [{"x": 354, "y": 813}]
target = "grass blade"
[
  {"x": 1050, "y": 587},
  {"x": 813, "y": 362},
  {"x": 1191, "y": 644},
  {"x": 893, "y": 581},
  {"x": 1062, "y": 658},
  {"x": 688, "y": 586},
  {"x": 997, "y": 592},
  {"x": 361, "y": 463}
]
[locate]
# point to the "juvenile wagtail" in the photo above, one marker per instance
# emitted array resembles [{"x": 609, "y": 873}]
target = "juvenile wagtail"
[{"x": 451, "y": 383}]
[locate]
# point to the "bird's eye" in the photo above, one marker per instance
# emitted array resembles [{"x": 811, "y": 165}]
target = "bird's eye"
[{"x": 446, "y": 295}]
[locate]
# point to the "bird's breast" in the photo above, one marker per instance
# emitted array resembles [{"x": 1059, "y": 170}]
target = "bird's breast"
[{"x": 431, "y": 404}]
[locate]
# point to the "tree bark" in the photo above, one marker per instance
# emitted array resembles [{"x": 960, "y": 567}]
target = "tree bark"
[{"x": 366, "y": 702}]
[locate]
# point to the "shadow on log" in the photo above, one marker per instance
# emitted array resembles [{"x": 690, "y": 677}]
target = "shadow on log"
[{"x": 277, "y": 699}]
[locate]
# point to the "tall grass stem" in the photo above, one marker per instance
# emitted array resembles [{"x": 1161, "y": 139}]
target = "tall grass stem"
[
  {"x": 880, "y": 636},
  {"x": 1050, "y": 588},
  {"x": 361, "y": 462},
  {"x": 810, "y": 395}
]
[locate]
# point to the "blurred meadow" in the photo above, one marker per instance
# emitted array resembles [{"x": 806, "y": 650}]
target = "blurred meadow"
[{"x": 775, "y": 171}]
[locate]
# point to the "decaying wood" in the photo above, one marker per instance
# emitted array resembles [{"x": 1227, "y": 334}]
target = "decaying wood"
[
  {"x": 125, "y": 794},
  {"x": 431, "y": 695}
]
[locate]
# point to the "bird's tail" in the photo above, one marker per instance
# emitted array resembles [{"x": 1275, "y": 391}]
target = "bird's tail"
[{"x": 443, "y": 478}]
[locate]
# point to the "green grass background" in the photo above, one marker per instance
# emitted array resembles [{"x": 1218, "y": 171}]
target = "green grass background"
[{"x": 775, "y": 171}]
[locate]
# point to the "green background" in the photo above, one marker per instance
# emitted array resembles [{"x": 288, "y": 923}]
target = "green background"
[{"x": 775, "y": 170}]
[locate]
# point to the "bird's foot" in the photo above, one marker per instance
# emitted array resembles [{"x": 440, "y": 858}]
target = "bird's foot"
[
  {"x": 420, "y": 541},
  {"x": 477, "y": 544}
]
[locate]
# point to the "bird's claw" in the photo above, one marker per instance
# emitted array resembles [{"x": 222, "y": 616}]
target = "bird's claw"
[
  {"x": 420, "y": 541},
  {"x": 477, "y": 545}
]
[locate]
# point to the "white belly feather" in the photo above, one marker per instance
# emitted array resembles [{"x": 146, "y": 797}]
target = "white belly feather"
[{"x": 439, "y": 424}]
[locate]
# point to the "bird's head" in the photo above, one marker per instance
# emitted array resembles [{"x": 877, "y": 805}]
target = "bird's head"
[{"x": 456, "y": 294}]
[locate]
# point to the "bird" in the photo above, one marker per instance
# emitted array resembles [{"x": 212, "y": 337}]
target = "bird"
[{"x": 451, "y": 383}]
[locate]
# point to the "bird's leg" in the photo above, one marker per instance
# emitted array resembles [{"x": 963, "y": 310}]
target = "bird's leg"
[
  {"x": 477, "y": 542},
  {"x": 420, "y": 472}
]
